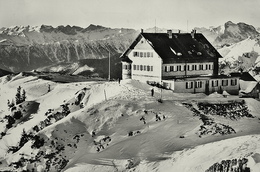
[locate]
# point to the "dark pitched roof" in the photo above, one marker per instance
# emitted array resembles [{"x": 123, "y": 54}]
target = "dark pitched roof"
[
  {"x": 126, "y": 59},
  {"x": 132, "y": 46},
  {"x": 180, "y": 47},
  {"x": 245, "y": 76}
]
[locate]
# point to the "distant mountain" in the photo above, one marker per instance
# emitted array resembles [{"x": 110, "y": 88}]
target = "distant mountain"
[
  {"x": 88, "y": 67},
  {"x": 24, "y": 48},
  {"x": 258, "y": 29},
  {"x": 162, "y": 30},
  {"x": 234, "y": 33},
  {"x": 228, "y": 34},
  {"x": 210, "y": 33},
  {"x": 237, "y": 43},
  {"x": 241, "y": 56}
]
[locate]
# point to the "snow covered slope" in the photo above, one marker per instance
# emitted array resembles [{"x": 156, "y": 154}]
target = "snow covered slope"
[
  {"x": 233, "y": 52},
  {"x": 107, "y": 126},
  {"x": 244, "y": 55}
]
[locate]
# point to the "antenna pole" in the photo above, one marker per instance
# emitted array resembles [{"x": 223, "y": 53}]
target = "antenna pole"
[
  {"x": 187, "y": 25},
  {"x": 108, "y": 65},
  {"x": 155, "y": 26}
]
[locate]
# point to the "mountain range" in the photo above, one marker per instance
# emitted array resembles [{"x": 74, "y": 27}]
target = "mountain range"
[{"x": 25, "y": 48}]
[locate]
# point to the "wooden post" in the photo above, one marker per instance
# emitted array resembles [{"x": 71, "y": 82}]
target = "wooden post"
[{"x": 105, "y": 94}]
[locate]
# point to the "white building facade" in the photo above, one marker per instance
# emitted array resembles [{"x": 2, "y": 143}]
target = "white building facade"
[{"x": 156, "y": 57}]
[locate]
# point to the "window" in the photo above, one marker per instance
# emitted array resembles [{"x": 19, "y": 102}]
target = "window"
[
  {"x": 179, "y": 68},
  {"x": 195, "y": 67},
  {"x": 188, "y": 67},
  {"x": 189, "y": 85},
  {"x": 141, "y": 67},
  {"x": 224, "y": 82},
  {"x": 174, "y": 68},
  {"x": 184, "y": 67},
  {"x": 148, "y": 54},
  {"x": 209, "y": 67},
  {"x": 151, "y": 68},
  {"x": 125, "y": 66},
  {"x": 151, "y": 53},
  {"x": 134, "y": 67},
  {"x": 141, "y": 54},
  {"x": 148, "y": 68},
  {"x": 171, "y": 68},
  {"x": 206, "y": 67},
  {"x": 167, "y": 68},
  {"x": 137, "y": 67},
  {"x": 136, "y": 54},
  {"x": 144, "y": 68},
  {"x": 200, "y": 67},
  {"x": 198, "y": 84},
  {"x": 214, "y": 83},
  {"x": 233, "y": 82},
  {"x": 144, "y": 54}
]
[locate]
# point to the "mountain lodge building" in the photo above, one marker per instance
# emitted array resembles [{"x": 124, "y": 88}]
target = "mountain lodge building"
[{"x": 173, "y": 59}]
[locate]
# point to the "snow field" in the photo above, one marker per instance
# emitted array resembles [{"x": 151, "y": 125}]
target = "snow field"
[
  {"x": 120, "y": 127},
  {"x": 232, "y": 52}
]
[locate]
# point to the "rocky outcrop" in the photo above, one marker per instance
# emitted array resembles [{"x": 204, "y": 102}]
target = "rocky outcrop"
[{"x": 234, "y": 33}]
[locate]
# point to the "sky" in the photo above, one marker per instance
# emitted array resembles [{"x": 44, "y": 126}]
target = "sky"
[{"x": 137, "y": 14}]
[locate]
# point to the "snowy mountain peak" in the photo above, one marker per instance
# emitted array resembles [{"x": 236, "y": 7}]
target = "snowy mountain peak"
[
  {"x": 19, "y": 30},
  {"x": 68, "y": 30},
  {"x": 219, "y": 30},
  {"x": 93, "y": 27}
]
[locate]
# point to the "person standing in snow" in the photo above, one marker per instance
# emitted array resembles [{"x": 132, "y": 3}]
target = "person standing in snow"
[{"x": 152, "y": 92}]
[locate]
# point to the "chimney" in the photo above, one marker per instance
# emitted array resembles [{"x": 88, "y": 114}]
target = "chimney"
[
  {"x": 169, "y": 32},
  {"x": 142, "y": 30},
  {"x": 193, "y": 33},
  {"x": 179, "y": 31}
]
